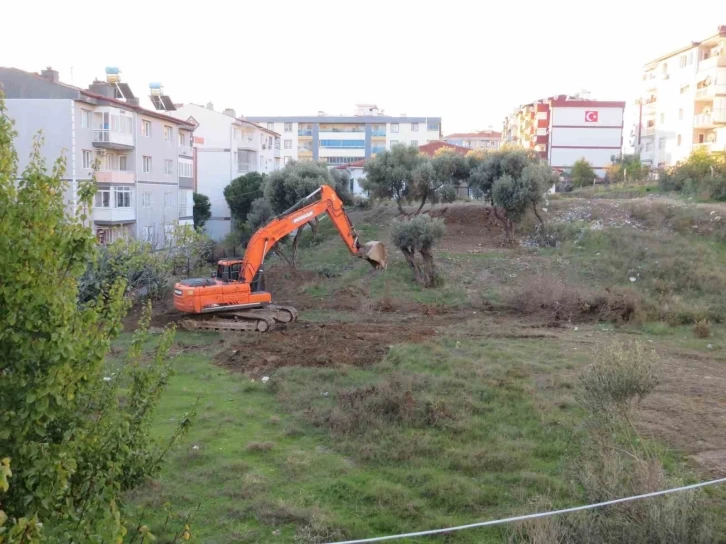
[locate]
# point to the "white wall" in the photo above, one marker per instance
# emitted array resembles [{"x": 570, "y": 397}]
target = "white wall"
[
  {"x": 607, "y": 117},
  {"x": 405, "y": 135},
  {"x": 601, "y": 137},
  {"x": 598, "y": 158}
]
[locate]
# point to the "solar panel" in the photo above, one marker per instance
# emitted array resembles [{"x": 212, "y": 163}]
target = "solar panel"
[
  {"x": 168, "y": 104},
  {"x": 156, "y": 101}
]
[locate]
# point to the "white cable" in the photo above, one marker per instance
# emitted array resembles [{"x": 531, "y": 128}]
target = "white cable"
[{"x": 533, "y": 516}]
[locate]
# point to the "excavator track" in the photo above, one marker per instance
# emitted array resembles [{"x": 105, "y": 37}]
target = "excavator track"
[{"x": 257, "y": 319}]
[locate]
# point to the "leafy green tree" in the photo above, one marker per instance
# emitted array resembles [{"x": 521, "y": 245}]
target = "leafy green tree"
[
  {"x": 241, "y": 192},
  {"x": 260, "y": 213},
  {"x": 342, "y": 185},
  {"x": 74, "y": 446},
  {"x": 419, "y": 235},
  {"x": 582, "y": 173},
  {"x": 202, "y": 210},
  {"x": 626, "y": 167},
  {"x": 391, "y": 174},
  {"x": 485, "y": 171},
  {"x": 451, "y": 168}
]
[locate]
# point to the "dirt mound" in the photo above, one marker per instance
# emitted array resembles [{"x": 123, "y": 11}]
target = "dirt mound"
[
  {"x": 472, "y": 226},
  {"x": 306, "y": 344}
]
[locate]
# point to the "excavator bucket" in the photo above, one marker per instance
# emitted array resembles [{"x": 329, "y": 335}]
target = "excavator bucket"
[{"x": 375, "y": 253}]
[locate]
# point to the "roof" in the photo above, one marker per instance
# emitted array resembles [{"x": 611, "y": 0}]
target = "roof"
[
  {"x": 577, "y": 103},
  {"x": 432, "y": 147},
  {"x": 473, "y": 135},
  {"x": 357, "y": 164},
  {"x": 238, "y": 119},
  {"x": 651, "y": 64},
  {"x": 89, "y": 94},
  {"x": 373, "y": 119}
]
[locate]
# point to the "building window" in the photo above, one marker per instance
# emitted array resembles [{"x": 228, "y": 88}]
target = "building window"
[
  {"x": 182, "y": 138},
  {"x": 86, "y": 119},
  {"x": 432, "y": 127},
  {"x": 661, "y": 142},
  {"x": 288, "y": 127},
  {"x": 414, "y": 142},
  {"x": 414, "y": 127},
  {"x": 147, "y": 233},
  {"x": 343, "y": 144},
  {"x": 185, "y": 169},
  {"x": 167, "y": 133},
  {"x": 87, "y": 159},
  {"x": 394, "y": 142},
  {"x": 649, "y": 146},
  {"x": 168, "y": 167},
  {"x": 678, "y": 140},
  {"x": 685, "y": 89},
  {"x": 680, "y": 114},
  {"x": 183, "y": 197},
  {"x": 146, "y": 128},
  {"x": 288, "y": 144},
  {"x": 287, "y": 160},
  {"x": 168, "y": 200},
  {"x": 103, "y": 198},
  {"x": 394, "y": 128},
  {"x": 690, "y": 58},
  {"x": 682, "y": 61},
  {"x": 123, "y": 197},
  {"x": 664, "y": 68},
  {"x": 147, "y": 164},
  {"x": 123, "y": 163},
  {"x": 662, "y": 117},
  {"x": 270, "y": 126},
  {"x": 146, "y": 200}
]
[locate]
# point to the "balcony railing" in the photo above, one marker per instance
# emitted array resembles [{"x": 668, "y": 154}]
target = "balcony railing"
[
  {"x": 304, "y": 132},
  {"x": 709, "y": 119},
  {"x": 342, "y": 129},
  {"x": 378, "y": 148},
  {"x": 115, "y": 176},
  {"x": 378, "y": 133},
  {"x": 112, "y": 139},
  {"x": 244, "y": 167},
  {"x": 713, "y": 62},
  {"x": 183, "y": 211},
  {"x": 186, "y": 151},
  {"x": 114, "y": 214},
  {"x": 708, "y": 93},
  {"x": 712, "y": 147}
]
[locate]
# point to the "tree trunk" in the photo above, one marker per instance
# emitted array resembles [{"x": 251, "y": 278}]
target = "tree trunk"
[
  {"x": 506, "y": 223},
  {"x": 423, "y": 201},
  {"x": 534, "y": 207},
  {"x": 400, "y": 207},
  {"x": 428, "y": 269},
  {"x": 314, "y": 227},
  {"x": 410, "y": 256},
  {"x": 295, "y": 244}
]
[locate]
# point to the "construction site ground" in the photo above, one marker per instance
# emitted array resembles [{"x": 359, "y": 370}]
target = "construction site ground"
[{"x": 390, "y": 408}]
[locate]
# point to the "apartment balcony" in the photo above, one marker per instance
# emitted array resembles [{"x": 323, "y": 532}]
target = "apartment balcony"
[
  {"x": 378, "y": 134},
  {"x": 115, "y": 176},
  {"x": 709, "y": 120},
  {"x": 647, "y": 132},
  {"x": 707, "y": 94},
  {"x": 111, "y": 139},
  {"x": 248, "y": 144},
  {"x": 649, "y": 84},
  {"x": 711, "y": 147},
  {"x": 711, "y": 63},
  {"x": 378, "y": 148},
  {"x": 244, "y": 167},
  {"x": 277, "y": 154},
  {"x": 649, "y": 108},
  {"x": 305, "y": 132},
  {"x": 186, "y": 151},
  {"x": 114, "y": 215}
]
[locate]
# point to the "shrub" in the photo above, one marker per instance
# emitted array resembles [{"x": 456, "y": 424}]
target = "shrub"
[
  {"x": 202, "y": 210},
  {"x": 144, "y": 273},
  {"x": 702, "y": 329},
  {"x": 619, "y": 376},
  {"x": 419, "y": 235},
  {"x": 448, "y": 194},
  {"x": 582, "y": 173}
]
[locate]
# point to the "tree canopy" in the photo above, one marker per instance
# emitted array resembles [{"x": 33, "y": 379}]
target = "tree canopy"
[
  {"x": 202, "y": 210},
  {"x": 582, "y": 173},
  {"x": 241, "y": 192}
]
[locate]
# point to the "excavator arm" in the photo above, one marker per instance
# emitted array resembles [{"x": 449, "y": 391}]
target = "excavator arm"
[{"x": 297, "y": 217}]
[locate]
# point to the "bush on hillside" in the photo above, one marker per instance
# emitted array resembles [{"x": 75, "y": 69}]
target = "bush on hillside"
[{"x": 419, "y": 235}]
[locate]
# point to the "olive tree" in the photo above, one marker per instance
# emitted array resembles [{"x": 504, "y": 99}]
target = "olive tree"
[
  {"x": 395, "y": 173},
  {"x": 419, "y": 235}
]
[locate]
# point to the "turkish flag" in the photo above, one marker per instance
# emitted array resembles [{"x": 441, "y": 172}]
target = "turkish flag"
[{"x": 591, "y": 117}]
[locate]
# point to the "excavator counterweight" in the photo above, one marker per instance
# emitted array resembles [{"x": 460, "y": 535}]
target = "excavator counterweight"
[{"x": 234, "y": 298}]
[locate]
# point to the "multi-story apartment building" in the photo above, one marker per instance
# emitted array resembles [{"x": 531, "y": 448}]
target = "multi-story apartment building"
[
  {"x": 137, "y": 154},
  {"x": 564, "y": 129},
  {"x": 226, "y": 147},
  {"x": 345, "y": 139},
  {"x": 682, "y": 105},
  {"x": 484, "y": 139}
]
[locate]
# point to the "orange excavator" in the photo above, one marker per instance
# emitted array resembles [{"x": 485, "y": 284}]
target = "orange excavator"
[{"x": 234, "y": 298}]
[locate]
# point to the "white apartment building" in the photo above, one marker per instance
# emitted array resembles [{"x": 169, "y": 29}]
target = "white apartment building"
[
  {"x": 345, "y": 139},
  {"x": 682, "y": 105},
  {"x": 486, "y": 140},
  {"x": 564, "y": 129},
  {"x": 226, "y": 147},
  {"x": 139, "y": 154}
]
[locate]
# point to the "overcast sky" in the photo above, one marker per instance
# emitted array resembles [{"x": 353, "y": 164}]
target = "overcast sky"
[{"x": 470, "y": 62}]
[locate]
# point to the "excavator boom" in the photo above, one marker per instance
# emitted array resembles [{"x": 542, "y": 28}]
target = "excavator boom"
[{"x": 235, "y": 298}]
